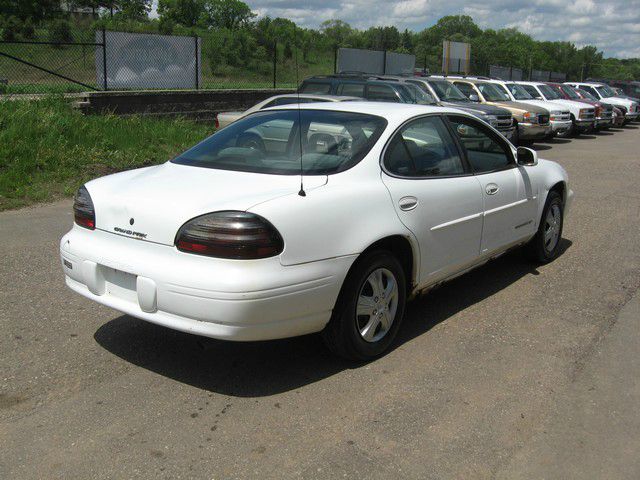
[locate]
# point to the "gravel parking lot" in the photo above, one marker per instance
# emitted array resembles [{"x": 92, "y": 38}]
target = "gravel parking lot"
[{"x": 511, "y": 371}]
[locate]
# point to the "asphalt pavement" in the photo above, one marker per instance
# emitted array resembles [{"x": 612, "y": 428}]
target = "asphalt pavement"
[{"x": 511, "y": 371}]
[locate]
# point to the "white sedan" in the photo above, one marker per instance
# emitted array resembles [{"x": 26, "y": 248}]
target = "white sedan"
[{"x": 320, "y": 232}]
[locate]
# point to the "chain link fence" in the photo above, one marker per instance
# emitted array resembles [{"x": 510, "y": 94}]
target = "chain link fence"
[
  {"x": 61, "y": 62},
  {"x": 82, "y": 60},
  {"x": 106, "y": 60}
]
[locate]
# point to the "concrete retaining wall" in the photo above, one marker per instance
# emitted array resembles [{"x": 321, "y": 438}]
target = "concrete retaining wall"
[{"x": 200, "y": 104}]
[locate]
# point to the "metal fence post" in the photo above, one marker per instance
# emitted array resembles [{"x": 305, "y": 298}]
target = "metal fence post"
[
  {"x": 384, "y": 62},
  {"x": 197, "y": 64},
  {"x": 275, "y": 61},
  {"x": 104, "y": 59}
]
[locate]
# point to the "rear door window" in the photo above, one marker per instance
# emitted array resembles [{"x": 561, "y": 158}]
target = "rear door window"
[{"x": 423, "y": 148}]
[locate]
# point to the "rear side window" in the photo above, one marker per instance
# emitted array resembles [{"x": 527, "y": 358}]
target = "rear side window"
[
  {"x": 315, "y": 87},
  {"x": 351, "y": 89},
  {"x": 382, "y": 93},
  {"x": 484, "y": 149},
  {"x": 423, "y": 148}
]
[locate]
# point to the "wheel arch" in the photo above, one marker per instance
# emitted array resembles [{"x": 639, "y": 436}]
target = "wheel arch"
[
  {"x": 561, "y": 188},
  {"x": 405, "y": 249}
]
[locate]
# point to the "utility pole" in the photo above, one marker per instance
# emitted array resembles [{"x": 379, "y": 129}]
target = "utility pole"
[{"x": 582, "y": 72}]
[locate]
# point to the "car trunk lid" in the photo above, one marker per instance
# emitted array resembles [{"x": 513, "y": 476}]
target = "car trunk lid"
[{"x": 151, "y": 204}]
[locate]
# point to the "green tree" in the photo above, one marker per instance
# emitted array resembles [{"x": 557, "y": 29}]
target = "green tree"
[
  {"x": 231, "y": 14},
  {"x": 37, "y": 10},
  {"x": 336, "y": 31},
  {"x": 134, "y": 9},
  {"x": 182, "y": 12},
  {"x": 406, "y": 41}
]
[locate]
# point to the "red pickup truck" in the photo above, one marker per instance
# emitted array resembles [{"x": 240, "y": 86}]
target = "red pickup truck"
[{"x": 604, "y": 111}]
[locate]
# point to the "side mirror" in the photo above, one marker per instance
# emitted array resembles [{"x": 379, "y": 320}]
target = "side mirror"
[
  {"x": 474, "y": 98},
  {"x": 527, "y": 157}
]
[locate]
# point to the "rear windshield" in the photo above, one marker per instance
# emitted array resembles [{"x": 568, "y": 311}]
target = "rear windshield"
[{"x": 270, "y": 142}]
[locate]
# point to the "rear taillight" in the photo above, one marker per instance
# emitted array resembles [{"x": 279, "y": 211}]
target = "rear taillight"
[
  {"x": 230, "y": 234},
  {"x": 216, "y": 122},
  {"x": 83, "y": 211}
]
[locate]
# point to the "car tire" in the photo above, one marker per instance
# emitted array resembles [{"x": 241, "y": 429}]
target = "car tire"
[
  {"x": 515, "y": 138},
  {"x": 575, "y": 132},
  {"x": 367, "y": 333},
  {"x": 545, "y": 245}
]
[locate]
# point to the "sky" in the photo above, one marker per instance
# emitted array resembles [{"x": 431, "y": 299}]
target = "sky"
[{"x": 611, "y": 25}]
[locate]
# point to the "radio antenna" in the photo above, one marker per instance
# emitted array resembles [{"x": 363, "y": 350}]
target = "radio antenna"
[{"x": 295, "y": 47}]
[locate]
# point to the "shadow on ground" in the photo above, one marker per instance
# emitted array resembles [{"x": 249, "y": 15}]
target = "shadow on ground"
[
  {"x": 258, "y": 369},
  {"x": 553, "y": 141},
  {"x": 538, "y": 147}
]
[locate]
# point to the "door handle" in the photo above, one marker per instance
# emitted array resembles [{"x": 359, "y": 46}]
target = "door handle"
[
  {"x": 492, "y": 189},
  {"x": 408, "y": 203}
]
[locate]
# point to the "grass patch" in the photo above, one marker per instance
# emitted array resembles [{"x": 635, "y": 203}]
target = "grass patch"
[{"x": 47, "y": 149}]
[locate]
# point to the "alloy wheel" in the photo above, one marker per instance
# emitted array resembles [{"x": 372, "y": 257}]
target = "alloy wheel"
[
  {"x": 377, "y": 305},
  {"x": 552, "y": 226}
]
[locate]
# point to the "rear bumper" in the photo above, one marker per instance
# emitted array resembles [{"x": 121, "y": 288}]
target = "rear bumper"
[{"x": 225, "y": 299}]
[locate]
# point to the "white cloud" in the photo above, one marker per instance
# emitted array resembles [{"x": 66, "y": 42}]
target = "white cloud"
[{"x": 611, "y": 25}]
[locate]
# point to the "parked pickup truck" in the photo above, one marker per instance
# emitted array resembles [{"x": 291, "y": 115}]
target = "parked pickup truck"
[
  {"x": 606, "y": 94},
  {"x": 560, "y": 118},
  {"x": 225, "y": 118},
  {"x": 531, "y": 122},
  {"x": 448, "y": 95},
  {"x": 604, "y": 111},
  {"x": 583, "y": 116},
  {"x": 618, "y": 111}
]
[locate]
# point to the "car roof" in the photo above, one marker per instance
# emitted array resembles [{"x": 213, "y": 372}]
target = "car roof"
[
  {"x": 524, "y": 82},
  {"x": 468, "y": 79},
  {"x": 388, "y": 110},
  {"x": 591, "y": 84},
  {"x": 328, "y": 98}
]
